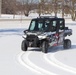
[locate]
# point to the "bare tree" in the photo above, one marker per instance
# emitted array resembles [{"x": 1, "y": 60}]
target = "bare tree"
[
  {"x": 41, "y": 7},
  {"x": 0, "y": 7},
  {"x": 27, "y": 6},
  {"x": 9, "y": 7},
  {"x": 73, "y": 9}
]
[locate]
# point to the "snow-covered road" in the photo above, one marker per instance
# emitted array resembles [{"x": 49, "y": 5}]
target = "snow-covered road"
[{"x": 13, "y": 61}]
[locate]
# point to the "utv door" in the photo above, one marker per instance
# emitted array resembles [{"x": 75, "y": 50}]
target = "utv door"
[
  {"x": 57, "y": 28},
  {"x": 60, "y": 32},
  {"x": 55, "y": 32}
]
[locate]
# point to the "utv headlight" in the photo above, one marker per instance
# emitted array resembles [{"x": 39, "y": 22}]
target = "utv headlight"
[
  {"x": 24, "y": 36},
  {"x": 41, "y": 37}
]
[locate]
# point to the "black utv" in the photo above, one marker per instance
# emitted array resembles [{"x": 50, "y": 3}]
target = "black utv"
[{"x": 45, "y": 32}]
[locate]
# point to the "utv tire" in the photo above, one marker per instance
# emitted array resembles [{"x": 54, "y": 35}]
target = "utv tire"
[
  {"x": 67, "y": 44},
  {"x": 44, "y": 47},
  {"x": 23, "y": 45}
]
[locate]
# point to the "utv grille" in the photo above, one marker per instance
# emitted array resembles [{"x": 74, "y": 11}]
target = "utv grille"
[
  {"x": 31, "y": 37},
  {"x": 33, "y": 40}
]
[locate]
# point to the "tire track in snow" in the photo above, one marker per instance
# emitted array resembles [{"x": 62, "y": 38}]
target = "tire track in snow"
[
  {"x": 21, "y": 61},
  {"x": 35, "y": 68},
  {"x": 53, "y": 61}
]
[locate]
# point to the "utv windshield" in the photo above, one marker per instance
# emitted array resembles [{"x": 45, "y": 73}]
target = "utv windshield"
[{"x": 39, "y": 25}]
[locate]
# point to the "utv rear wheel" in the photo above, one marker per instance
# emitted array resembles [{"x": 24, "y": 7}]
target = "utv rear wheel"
[
  {"x": 67, "y": 44},
  {"x": 24, "y": 46},
  {"x": 44, "y": 47}
]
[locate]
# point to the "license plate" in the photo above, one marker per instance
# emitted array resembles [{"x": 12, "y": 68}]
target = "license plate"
[{"x": 30, "y": 43}]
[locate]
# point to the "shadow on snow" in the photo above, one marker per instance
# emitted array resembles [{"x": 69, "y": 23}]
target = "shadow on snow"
[{"x": 53, "y": 49}]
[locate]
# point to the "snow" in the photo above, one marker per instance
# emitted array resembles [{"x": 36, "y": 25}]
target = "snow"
[
  {"x": 14, "y": 61},
  {"x": 10, "y": 16}
]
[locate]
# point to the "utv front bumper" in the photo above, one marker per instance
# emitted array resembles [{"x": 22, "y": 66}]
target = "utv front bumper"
[{"x": 32, "y": 40}]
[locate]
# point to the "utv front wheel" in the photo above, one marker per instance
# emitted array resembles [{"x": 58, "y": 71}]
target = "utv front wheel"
[
  {"x": 44, "y": 47},
  {"x": 24, "y": 46},
  {"x": 67, "y": 44}
]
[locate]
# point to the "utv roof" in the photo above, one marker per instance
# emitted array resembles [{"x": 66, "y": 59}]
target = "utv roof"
[{"x": 48, "y": 17}]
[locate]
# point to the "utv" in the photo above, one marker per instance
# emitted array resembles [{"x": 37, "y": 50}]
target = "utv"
[{"x": 45, "y": 32}]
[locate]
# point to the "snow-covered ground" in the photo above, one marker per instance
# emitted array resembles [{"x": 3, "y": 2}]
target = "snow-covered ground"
[
  {"x": 10, "y": 16},
  {"x": 13, "y": 61}
]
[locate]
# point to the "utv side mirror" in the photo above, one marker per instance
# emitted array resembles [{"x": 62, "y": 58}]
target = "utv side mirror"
[
  {"x": 25, "y": 31},
  {"x": 66, "y": 28}
]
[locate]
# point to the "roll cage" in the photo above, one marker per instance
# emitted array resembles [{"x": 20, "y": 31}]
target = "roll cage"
[{"x": 47, "y": 24}]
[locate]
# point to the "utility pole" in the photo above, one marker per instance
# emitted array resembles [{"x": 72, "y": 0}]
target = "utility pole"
[
  {"x": 0, "y": 7},
  {"x": 39, "y": 7}
]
